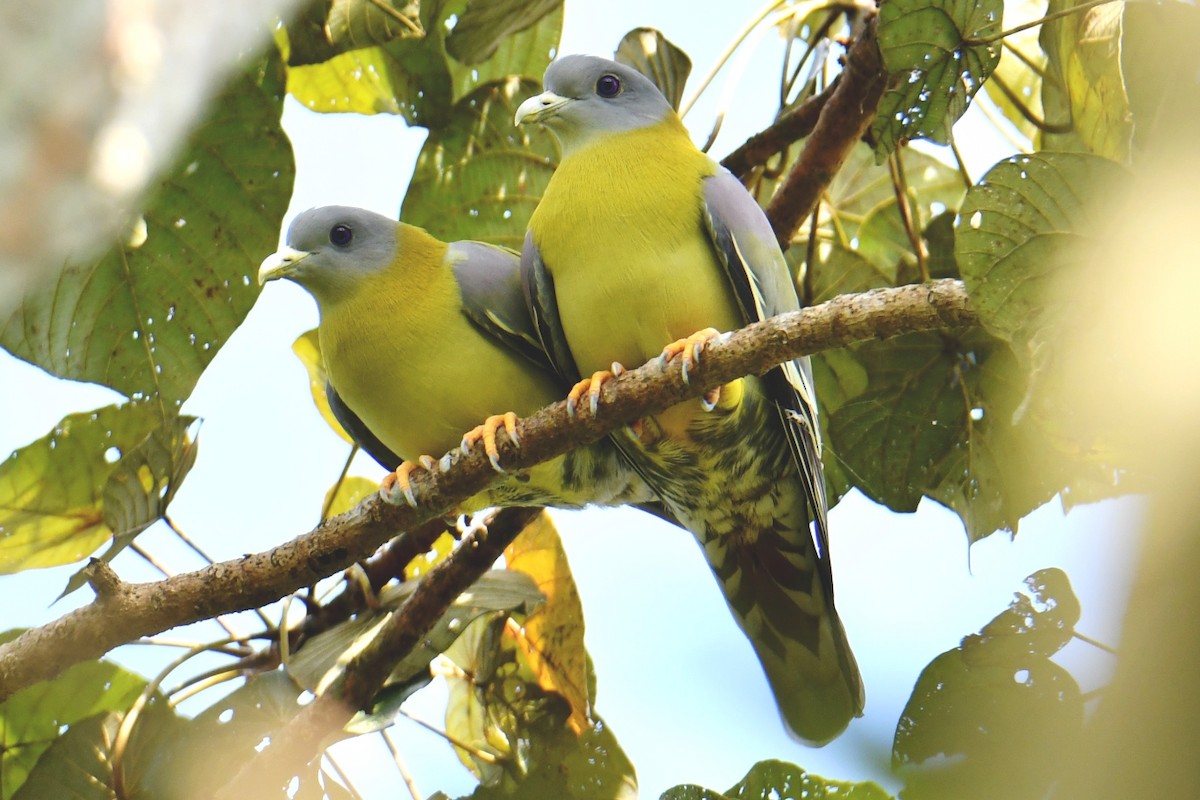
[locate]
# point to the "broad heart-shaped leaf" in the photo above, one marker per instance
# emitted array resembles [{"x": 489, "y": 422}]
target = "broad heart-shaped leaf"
[
  {"x": 417, "y": 77},
  {"x": 551, "y": 637},
  {"x": 307, "y": 348},
  {"x": 656, "y": 57},
  {"x": 149, "y": 316},
  {"x": 324, "y": 657},
  {"x": 326, "y": 28},
  {"x": 1018, "y": 237},
  {"x": 770, "y": 780},
  {"x": 478, "y": 177},
  {"x": 936, "y": 59},
  {"x": 1085, "y": 87},
  {"x": 995, "y": 717},
  {"x": 34, "y": 717},
  {"x": 936, "y": 419},
  {"x": 55, "y": 493}
]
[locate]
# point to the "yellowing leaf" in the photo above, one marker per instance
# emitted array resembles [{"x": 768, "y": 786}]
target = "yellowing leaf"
[
  {"x": 345, "y": 495},
  {"x": 552, "y": 637},
  {"x": 442, "y": 547},
  {"x": 308, "y": 350},
  {"x": 64, "y": 495}
]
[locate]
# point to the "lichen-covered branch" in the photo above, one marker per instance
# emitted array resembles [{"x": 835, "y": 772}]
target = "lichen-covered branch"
[{"x": 125, "y": 612}]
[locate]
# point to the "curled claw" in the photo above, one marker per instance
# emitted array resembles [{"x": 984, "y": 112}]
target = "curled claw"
[
  {"x": 487, "y": 434},
  {"x": 690, "y": 349},
  {"x": 711, "y": 398},
  {"x": 592, "y": 387},
  {"x": 401, "y": 478}
]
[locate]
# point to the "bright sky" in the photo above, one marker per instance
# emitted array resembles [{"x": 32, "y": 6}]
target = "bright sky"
[{"x": 677, "y": 682}]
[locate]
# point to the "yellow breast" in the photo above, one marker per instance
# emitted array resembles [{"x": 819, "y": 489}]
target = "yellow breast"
[
  {"x": 404, "y": 358},
  {"x": 621, "y": 232}
]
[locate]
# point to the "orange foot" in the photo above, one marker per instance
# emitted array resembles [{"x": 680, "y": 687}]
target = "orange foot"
[
  {"x": 487, "y": 434},
  {"x": 591, "y": 387},
  {"x": 401, "y": 479},
  {"x": 690, "y": 349}
]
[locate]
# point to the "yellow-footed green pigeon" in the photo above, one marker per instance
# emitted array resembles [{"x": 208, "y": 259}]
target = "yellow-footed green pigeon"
[
  {"x": 424, "y": 341},
  {"x": 643, "y": 246}
]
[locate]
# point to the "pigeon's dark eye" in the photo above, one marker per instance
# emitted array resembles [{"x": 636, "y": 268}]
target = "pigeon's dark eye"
[
  {"x": 341, "y": 235},
  {"x": 608, "y": 86}
]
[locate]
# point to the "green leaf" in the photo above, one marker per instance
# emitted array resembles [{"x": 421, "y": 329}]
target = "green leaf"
[
  {"x": 995, "y": 717},
  {"x": 934, "y": 53},
  {"x": 656, "y": 57},
  {"x": 1085, "y": 88},
  {"x": 55, "y": 493},
  {"x": 348, "y": 493},
  {"x": 479, "y": 177},
  {"x": 487, "y": 25},
  {"x": 770, "y": 780},
  {"x": 1019, "y": 235},
  {"x": 33, "y": 718},
  {"x": 936, "y": 419},
  {"x": 418, "y": 78},
  {"x": 149, "y": 316},
  {"x": 1023, "y": 81},
  {"x": 328, "y": 27}
]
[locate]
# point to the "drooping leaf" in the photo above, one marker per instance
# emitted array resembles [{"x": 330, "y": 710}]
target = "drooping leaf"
[
  {"x": 148, "y": 317},
  {"x": 769, "y": 780},
  {"x": 1158, "y": 42},
  {"x": 479, "y": 177},
  {"x": 656, "y": 57},
  {"x": 1085, "y": 88},
  {"x": 326, "y": 28},
  {"x": 54, "y": 493},
  {"x": 33, "y": 718},
  {"x": 937, "y": 56},
  {"x": 995, "y": 717},
  {"x": 551, "y": 637},
  {"x": 488, "y": 25},
  {"x": 418, "y": 78}
]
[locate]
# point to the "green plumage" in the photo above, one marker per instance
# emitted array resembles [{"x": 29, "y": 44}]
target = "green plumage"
[{"x": 640, "y": 240}]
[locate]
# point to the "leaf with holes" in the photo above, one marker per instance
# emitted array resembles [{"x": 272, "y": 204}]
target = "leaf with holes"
[
  {"x": 936, "y": 419},
  {"x": 1019, "y": 235},
  {"x": 937, "y": 56},
  {"x": 768, "y": 780},
  {"x": 149, "y": 316},
  {"x": 53, "y": 492},
  {"x": 991, "y": 714},
  {"x": 479, "y": 177},
  {"x": 1086, "y": 85}
]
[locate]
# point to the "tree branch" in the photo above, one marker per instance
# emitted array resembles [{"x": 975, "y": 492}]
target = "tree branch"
[
  {"x": 126, "y": 611},
  {"x": 844, "y": 119},
  {"x": 792, "y": 126},
  {"x": 303, "y": 738}
]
